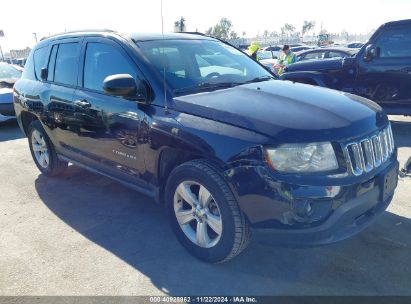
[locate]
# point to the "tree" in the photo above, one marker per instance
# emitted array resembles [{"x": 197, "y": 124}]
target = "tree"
[
  {"x": 274, "y": 34},
  {"x": 265, "y": 34},
  {"x": 233, "y": 35},
  {"x": 345, "y": 35},
  {"x": 222, "y": 30},
  {"x": 283, "y": 30},
  {"x": 307, "y": 26},
  {"x": 180, "y": 25},
  {"x": 289, "y": 28}
]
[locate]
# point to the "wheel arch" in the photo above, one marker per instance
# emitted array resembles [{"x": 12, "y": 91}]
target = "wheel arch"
[
  {"x": 26, "y": 119},
  {"x": 171, "y": 158}
]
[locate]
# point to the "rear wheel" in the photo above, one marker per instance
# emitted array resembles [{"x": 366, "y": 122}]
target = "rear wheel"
[
  {"x": 43, "y": 152},
  {"x": 204, "y": 213}
]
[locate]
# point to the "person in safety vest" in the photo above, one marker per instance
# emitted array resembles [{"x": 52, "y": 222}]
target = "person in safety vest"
[
  {"x": 286, "y": 58},
  {"x": 253, "y": 49}
]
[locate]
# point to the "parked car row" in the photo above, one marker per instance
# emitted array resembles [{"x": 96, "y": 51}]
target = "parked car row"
[{"x": 380, "y": 71}]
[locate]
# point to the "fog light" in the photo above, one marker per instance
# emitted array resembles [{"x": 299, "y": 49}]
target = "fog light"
[{"x": 302, "y": 208}]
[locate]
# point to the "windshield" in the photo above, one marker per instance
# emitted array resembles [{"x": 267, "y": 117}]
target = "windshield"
[
  {"x": 193, "y": 64},
  {"x": 7, "y": 72}
]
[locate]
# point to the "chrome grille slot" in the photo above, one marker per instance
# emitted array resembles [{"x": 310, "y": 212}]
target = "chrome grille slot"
[
  {"x": 384, "y": 146},
  {"x": 369, "y": 153},
  {"x": 377, "y": 150}
]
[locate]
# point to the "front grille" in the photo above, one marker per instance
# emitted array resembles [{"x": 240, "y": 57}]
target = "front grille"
[{"x": 368, "y": 153}]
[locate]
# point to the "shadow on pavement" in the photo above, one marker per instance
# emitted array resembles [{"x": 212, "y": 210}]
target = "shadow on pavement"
[
  {"x": 9, "y": 130},
  {"x": 135, "y": 229}
]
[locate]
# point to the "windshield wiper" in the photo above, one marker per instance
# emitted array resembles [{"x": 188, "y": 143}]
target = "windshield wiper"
[
  {"x": 205, "y": 86},
  {"x": 260, "y": 79}
]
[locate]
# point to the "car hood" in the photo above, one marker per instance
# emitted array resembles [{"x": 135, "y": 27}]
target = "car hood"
[
  {"x": 6, "y": 95},
  {"x": 7, "y": 82},
  {"x": 287, "y": 112},
  {"x": 316, "y": 65}
]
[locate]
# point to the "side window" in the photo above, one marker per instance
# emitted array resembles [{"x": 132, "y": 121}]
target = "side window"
[
  {"x": 313, "y": 55},
  {"x": 52, "y": 63},
  {"x": 40, "y": 60},
  {"x": 28, "y": 72},
  {"x": 66, "y": 65},
  {"x": 334, "y": 54},
  {"x": 103, "y": 60},
  {"x": 395, "y": 43}
]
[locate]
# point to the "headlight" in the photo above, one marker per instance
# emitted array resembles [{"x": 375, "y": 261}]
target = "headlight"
[{"x": 312, "y": 157}]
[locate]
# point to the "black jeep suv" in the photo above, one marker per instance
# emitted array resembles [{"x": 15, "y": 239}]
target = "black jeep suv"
[
  {"x": 192, "y": 122},
  {"x": 381, "y": 70}
]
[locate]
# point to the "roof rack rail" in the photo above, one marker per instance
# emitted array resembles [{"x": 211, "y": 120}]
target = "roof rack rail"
[
  {"x": 78, "y": 31},
  {"x": 194, "y": 33}
]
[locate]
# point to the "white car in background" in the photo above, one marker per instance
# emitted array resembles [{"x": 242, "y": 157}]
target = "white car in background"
[
  {"x": 277, "y": 49},
  {"x": 267, "y": 60},
  {"x": 9, "y": 74}
]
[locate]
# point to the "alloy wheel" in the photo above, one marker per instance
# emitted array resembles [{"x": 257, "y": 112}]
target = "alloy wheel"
[
  {"x": 40, "y": 150},
  {"x": 198, "y": 214}
]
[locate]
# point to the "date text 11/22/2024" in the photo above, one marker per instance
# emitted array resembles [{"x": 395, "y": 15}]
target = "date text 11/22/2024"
[{"x": 205, "y": 299}]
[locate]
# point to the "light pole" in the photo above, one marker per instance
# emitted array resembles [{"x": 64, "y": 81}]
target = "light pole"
[{"x": 1, "y": 52}]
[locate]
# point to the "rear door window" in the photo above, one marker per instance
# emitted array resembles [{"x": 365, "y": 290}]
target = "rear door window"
[
  {"x": 40, "y": 60},
  {"x": 66, "y": 66}
]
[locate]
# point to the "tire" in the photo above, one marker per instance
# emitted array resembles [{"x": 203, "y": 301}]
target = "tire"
[
  {"x": 224, "y": 230},
  {"x": 43, "y": 151}
]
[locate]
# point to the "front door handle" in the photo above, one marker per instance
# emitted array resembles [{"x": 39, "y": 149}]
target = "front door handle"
[{"x": 82, "y": 103}]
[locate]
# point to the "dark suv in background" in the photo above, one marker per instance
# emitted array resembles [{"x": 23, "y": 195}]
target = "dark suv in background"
[
  {"x": 196, "y": 124},
  {"x": 381, "y": 71}
]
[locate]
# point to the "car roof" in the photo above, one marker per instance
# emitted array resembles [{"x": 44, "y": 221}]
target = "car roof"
[
  {"x": 398, "y": 22},
  {"x": 168, "y": 36},
  {"x": 133, "y": 36},
  {"x": 340, "y": 49}
]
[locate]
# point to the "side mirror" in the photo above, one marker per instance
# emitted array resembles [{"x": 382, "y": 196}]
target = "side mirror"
[
  {"x": 120, "y": 85},
  {"x": 125, "y": 85},
  {"x": 44, "y": 73},
  {"x": 371, "y": 51},
  {"x": 407, "y": 168}
]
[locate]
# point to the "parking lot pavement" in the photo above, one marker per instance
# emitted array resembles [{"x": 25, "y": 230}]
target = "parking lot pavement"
[{"x": 83, "y": 234}]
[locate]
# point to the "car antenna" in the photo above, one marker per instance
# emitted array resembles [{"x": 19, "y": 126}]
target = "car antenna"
[{"x": 164, "y": 65}]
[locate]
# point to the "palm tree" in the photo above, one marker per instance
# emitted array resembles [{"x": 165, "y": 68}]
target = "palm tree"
[
  {"x": 182, "y": 24},
  {"x": 307, "y": 26},
  {"x": 265, "y": 34}
]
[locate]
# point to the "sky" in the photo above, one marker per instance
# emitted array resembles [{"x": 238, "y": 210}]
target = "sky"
[{"x": 46, "y": 17}]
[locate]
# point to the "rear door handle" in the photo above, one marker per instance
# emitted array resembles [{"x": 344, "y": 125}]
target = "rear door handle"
[{"x": 82, "y": 103}]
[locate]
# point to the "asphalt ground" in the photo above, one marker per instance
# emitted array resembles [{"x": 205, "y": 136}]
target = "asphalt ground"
[{"x": 83, "y": 234}]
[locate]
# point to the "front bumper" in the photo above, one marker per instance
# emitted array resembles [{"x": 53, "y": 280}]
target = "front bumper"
[
  {"x": 346, "y": 221},
  {"x": 273, "y": 206}
]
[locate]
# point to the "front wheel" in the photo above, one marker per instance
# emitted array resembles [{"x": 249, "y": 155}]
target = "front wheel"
[{"x": 204, "y": 213}]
